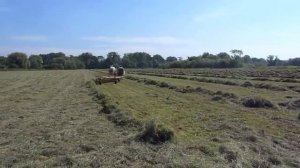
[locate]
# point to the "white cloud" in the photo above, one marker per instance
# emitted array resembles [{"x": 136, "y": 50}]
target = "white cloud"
[
  {"x": 165, "y": 40},
  {"x": 31, "y": 38}
]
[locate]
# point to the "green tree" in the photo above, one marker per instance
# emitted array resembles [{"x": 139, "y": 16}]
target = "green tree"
[
  {"x": 35, "y": 61},
  {"x": 73, "y": 63},
  {"x": 3, "y": 62},
  {"x": 54, "y": 60},
  {"x": 223, "y": 55},
  {"x": 158, "y": 60},
  {"x": 90, "y": 61},
  {"x": 137, "y": 60},
  {"x": 236, "y": 53},
  {"x": 294, "y": 62},
  {"x": 171, "y": 59},
  {"x": 247, "y": 59},
  {"x": 17, "y": 60},
  {"x": 272, "y": 60},
  {"x": 113, "y": 58}
]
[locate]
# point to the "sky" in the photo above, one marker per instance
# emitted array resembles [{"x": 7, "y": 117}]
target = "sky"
[{"x": 178, "y": 28}]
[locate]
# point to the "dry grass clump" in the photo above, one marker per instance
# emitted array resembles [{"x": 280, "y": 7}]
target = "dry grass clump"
[
  {"x": 150, "y": 82},
  {"x": 261, "y": 79},
  {"x": 176, "y": 77},
  {"x": 269, "y": 87},
  {"x": 260, "y": 164},
  {"x": 155, "y": 134},
  {"x": 217, "y": 98},
  {"x": 230, "y": 156},
  {"x": 163, "y": 84},
  {"x": 64, "y": 161},
  {"x": 187, "y": 89},
  {"x": 257, "y": 102},
  {"x": 131, "y": 78},
  {"x": 225, "y": 94},
  {"x": 251, "y": 138},
  {"x": 274, "y": 160},
  {"x": 291, "y": 105},
  {"x": 247, "y": 84},
  {"x": 217, "y": 81},
  {"x": 206, "y": 150},
  {"x": 288, "y": 80}
]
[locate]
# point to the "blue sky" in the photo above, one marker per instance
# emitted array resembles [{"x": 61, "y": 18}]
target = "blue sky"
[{"x": 167, "y": 27}]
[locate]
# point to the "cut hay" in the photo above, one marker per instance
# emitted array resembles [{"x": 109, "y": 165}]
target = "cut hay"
[{"x": 257, "y": 102}]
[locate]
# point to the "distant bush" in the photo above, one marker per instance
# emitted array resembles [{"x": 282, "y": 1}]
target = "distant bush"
[
  {"x": 54, "y": 66},
  {"x": 155, "y": 134},
  {"x": 257, "y": 102}
]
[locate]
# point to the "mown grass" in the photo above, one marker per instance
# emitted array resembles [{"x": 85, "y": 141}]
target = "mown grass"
[
  {"x": 195, "y": 118},
  {"x": 211, "y": 120},
  {"x": 272, "y": 95},
  {"x": 63, "y": 127}
]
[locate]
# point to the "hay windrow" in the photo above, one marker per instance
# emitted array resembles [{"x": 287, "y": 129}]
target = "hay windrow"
[
  {"x": 257, "y": 102},
  {"x": 154, "y": 133},
  {"x": 186, "y": 89},
  {"x": 223, "y": 82},
  {"x": 291, "y": 105},
  {"x": 151, "y": 132}
]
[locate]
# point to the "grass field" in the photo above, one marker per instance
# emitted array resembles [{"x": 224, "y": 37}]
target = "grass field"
[{"x": 57, "y": 119}]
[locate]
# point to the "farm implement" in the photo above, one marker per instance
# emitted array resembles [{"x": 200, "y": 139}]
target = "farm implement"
[
  {"x": 115, "y": 75},
  {"x": 108, "y": 79}
]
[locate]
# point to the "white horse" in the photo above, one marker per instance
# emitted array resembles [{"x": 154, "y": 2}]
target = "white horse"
[{"x": 112, "y": 71}]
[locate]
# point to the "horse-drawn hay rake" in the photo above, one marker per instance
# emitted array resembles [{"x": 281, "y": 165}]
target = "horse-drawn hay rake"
[{"x": 115, "y": 76}]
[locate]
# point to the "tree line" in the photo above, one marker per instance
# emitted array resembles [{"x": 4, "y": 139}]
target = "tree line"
[{"x": 59, "y": 60}]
